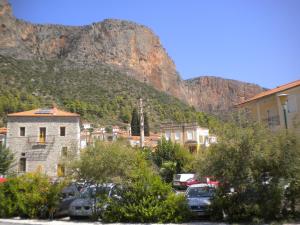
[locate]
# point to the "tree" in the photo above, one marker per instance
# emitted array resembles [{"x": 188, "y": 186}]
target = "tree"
[
  {"x": 6, "y": 159},
  {"x": 135, "y": 123},
  {"x": 105, "y": 163},
  {"x": 257, "y": 164},
  {"x": 170, "y": 158},
  {"x": 146, "y": 125}
]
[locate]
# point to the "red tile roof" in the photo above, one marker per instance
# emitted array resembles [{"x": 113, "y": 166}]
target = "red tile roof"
[
  {"x": 273, "y": 91},
  {"x": 53, "y": 112},
  {"x": 3, "y": 130}
]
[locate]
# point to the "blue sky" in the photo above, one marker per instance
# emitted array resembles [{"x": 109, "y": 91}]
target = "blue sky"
[{"x": 256, "y": 41}]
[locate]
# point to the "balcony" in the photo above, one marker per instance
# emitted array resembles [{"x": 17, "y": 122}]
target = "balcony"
[{"x": 37, "y": 140}]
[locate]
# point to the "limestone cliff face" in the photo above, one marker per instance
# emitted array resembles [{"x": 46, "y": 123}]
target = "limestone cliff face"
[
  {"x": 214, "y": 94},
  {"x": 134, "y": 49},
  {"x": 122, "y": 44}
]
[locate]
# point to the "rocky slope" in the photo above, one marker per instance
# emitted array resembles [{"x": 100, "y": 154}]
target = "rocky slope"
[
  {"x": 126, "y": 46},
  {"x": 217, "y": 95}
]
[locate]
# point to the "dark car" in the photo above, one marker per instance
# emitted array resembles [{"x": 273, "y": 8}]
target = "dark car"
[
  {"x": 68, "y": 195},
  {"x": 88, "y": 202},
  {"x": 199, "y": 198}
]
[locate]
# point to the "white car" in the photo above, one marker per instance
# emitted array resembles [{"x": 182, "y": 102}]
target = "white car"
[{"x": 179, "y": 180}]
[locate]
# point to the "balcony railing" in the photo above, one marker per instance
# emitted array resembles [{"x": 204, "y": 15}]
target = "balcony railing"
[{"x": 36, "y": 140}]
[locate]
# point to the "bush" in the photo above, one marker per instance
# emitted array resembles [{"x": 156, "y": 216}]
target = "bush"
[
  {"x": 144, "y": 196},
  {"x": 171, "y": 158},
  {"x": 257, "y": 164},
  {"x": 30, "y": 195},
  {"x": 148, "y": 199}
]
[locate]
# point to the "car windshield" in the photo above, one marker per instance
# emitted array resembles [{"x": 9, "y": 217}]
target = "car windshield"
[
  {"x": 196, "y": 192},
  {"x": 91, "y": 192}
]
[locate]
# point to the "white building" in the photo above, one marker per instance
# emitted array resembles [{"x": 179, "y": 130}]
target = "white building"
[{"x": 190, "y": 135}]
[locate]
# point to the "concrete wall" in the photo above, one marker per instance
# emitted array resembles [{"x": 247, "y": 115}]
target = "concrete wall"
[
  {"x": 43, "y": 157},
  {"x": 263, "y": 109}
]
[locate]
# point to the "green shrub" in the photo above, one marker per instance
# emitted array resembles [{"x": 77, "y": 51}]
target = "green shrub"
[
  {"x": 147, "y": 200},
  {"x": 30, "y": 195},
  {"x": 257, "y": 164}
]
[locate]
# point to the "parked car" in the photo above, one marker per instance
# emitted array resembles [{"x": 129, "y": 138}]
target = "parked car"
[
  {"x": 204, "y": 180},
  {"x": 199, "y": 198},
  {"x": 180, "y": 180},
  {"x": 68, "y": 195},
  {"x": 2, "y": 179},
  {"x": 87, "y": 204}
]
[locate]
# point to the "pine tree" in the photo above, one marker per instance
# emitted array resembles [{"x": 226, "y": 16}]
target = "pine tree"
[
  {"x": 146, "y": 125},
  {"x": 135, "y": 123}
]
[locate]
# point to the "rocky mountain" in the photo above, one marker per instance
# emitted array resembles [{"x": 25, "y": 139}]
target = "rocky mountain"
[
  {"x": 217, "y": 95},
  {"x": 125, "y": 46}
]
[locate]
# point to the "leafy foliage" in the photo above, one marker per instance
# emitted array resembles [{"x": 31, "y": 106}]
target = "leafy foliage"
[
  {"x": 105, "y": 163},
  {"x": 171, "y": 158},
  {"x": 257, "y": 164},
  {"x": 144, "y": 196},
  {"x": 135, "y": 123},
  {"x": 100, "y": 94},
  {"x": 146, "y": 125},
  {"x": 30, "y": 195},
  {"x": 6, "y": 159}
]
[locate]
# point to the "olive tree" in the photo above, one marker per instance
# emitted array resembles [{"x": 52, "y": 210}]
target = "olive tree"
[{"x": 258, "y": 165}]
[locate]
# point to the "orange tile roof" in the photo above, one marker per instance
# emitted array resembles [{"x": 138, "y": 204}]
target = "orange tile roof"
[
  {"x": 273, "y": 91},
  {"x": 3, "y": 130},
  {"x": 53, "y": 112}
]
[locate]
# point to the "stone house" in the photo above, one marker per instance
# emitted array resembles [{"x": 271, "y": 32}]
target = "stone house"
[
  {"x": 189, "y": 135},
  {"x": 39, "y": 139}
]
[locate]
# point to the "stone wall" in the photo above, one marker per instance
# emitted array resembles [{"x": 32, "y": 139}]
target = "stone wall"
[{"x": 42, "y": 157}]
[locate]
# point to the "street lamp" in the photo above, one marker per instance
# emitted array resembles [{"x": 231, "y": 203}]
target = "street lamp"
[{"x": 283, "y": 99}]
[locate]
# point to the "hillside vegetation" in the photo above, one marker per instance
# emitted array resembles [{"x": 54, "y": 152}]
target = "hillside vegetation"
[{"x": 100, "y": 94}]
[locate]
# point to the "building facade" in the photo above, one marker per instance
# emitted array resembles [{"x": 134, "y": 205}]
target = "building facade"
[
  {"x": 189, "y": 135},
  {"x": 278, "y": 108},
  {"x": 3, "y": 132},
  {"x": 40, "y": 138}
]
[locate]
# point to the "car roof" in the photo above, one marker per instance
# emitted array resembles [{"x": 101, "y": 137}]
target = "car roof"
[{"x": 201, "y": 185}]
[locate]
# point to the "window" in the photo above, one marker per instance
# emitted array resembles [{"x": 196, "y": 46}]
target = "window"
[
  {"x": 189, "y": 135},
  {"x": 42, "y": 138},
  {"x": 60, "y": 170},
  {"x": 22, "y": 131},
  {"x": 62, "y": 131},
  {"x": 64, "y": 151},
  {"x": 168, "y": 135},
  {"x": 177, "y": 135},
  {"x": 22, "y": 165}
]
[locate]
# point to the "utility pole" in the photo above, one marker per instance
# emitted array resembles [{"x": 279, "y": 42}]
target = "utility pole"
[{"x": 142, "y": 138}]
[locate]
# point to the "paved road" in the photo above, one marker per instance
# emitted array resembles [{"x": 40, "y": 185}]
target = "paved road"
[
  {"x": 61, "y": 222},
  {"x": 68, "y": 222}
]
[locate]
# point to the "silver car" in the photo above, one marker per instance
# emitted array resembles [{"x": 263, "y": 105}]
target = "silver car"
[
  {"x": 88, "y": 202},
  {"x": 199, "y": 198}
]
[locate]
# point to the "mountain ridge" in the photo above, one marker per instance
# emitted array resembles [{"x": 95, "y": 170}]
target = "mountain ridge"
[{"x": 133, "y": 49}]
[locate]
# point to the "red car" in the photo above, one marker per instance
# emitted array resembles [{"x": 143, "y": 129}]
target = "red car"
[
  {"x": 2, "y": 180},
  {"x": 204, "y": 180}
]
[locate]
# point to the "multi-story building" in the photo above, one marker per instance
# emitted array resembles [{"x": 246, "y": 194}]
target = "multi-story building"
[
  {"x": 40, "y": 138},
  {"x": 278, "y": 108},
  {"x": 189, "y": 135}
]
